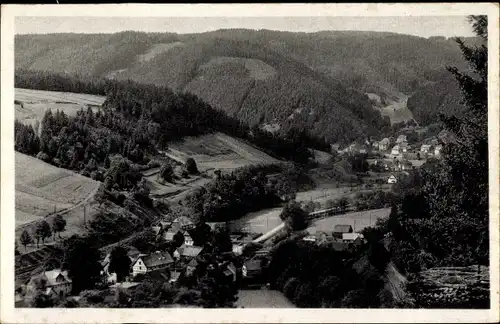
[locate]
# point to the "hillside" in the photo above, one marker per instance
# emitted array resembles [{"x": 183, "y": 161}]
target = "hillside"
[{"x": 313, "y": 81}]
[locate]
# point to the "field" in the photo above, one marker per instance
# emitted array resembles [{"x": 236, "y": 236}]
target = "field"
[
  {"x": 261, "y": 221},
  {"x": 41, "y": 188},
  {"x": 218, "y": 151},
  {"x": 358, "y": 220},
  {"x": 36, "y": 102}
]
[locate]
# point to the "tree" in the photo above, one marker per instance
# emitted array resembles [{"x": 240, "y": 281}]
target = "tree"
[
  {"x": 119, "y": 263},
  {"x": 167, "y": 172},
  {"x": 25, "y": 239},
  {"x": 457, "y": 192},
  {"x": 42, "y": 231},
  {"x": 342, "y": 204},
  {"x": 178, "y": 239},
  {"x": 58, "y": 225},
  {"x": 294, "y": 216},
  {"x": 222, "y": 240},
  {"x": 81, "y": 259},
  {"x": 191, "y": 167}
]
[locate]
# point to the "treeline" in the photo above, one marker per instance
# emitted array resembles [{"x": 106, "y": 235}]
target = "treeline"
[
  {"x": 318, "y": 276},
  {"x": 148, "y": 117}
]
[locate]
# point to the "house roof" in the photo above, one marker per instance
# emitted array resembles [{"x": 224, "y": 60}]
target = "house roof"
[
  {"x": 156, "y": 229},
  {"x": 53, "y": 274},
  {"x": 157, "y": 259},
  {"x": 193, "y": 263},
  {"x": 342, "y": 228},
  {"x": 385, "y": 141},
  {"x": 184, "y": 221},
  {"x": 351, "y": 236},
  {"x": 174, "y": 275},
  {"x": 169, "y": 236},
  {"x": 189, "y": 251},
  {"x": 425, "y": 146}
]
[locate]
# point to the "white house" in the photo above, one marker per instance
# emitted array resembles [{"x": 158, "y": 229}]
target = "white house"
[
  {"x": 392, "y": 179},
  {"x": 309, "y": 238},
  {"x": 188, "y": 240},
  {"x": 187, "y": 252},
  {"x": 150, "y": 262},
  {"x": 395, "y": 150},
  {"x": 383, "y": 145},
  {"x": 356, "y": 238},
  {"x": 401, "y": 139},
  {"x": 425, "y": 148},
  {"x": 56, "y": 283}
]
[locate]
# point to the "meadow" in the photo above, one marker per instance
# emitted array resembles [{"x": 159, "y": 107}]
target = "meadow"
[{"x": 42, "y": 189}]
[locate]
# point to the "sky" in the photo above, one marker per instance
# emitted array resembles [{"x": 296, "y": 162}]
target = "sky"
[{"x": 423, "y": 26}]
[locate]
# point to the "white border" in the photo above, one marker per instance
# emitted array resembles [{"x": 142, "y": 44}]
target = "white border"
[{"x": 11, "y": 315}]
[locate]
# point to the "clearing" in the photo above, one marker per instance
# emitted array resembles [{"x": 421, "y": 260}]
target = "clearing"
[
  {"x": 218, "y": 151},
  {"x": 41, "y": 188},
  {"x": 33, "y": 103}
]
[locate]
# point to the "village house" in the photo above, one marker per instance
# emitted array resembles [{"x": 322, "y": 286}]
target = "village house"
[
  {"x": 339, "y": 229},
  {"x": 395, "y": 150},
  {"x": 174, "y": 276},
  {"x": 392, "y": 179},
  {"x": 187, "y": 252},
  {"x": 191, "y": 267},
  {"x": 56, "y": 283},
  {"x": 188, "y": 240},
  {"x": 437, "y": 150},
  {"x": 425, "y": 148},
  {"x": 309, "y": 238},
  {"x": 151, "y": 262},
  {"x": 401, "y": 139},
  {"x": 183, "y": 223},
  {"x": 353, "y": 238},
  {"x": 383, "y": 145}
]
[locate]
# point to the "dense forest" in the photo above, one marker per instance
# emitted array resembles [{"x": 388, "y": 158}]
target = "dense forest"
[{"x": 135, "y": 121}]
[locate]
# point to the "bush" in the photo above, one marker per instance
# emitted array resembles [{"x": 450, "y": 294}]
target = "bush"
[{"x": 191, "y": 167}]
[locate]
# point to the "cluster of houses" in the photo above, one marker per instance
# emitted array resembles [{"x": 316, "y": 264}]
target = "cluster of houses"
[
  {"x": 342, "y": 238},
  {"x": 395, "y": 147}
]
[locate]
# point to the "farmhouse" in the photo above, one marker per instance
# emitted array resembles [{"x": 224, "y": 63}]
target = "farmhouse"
[
  {"x": 392, "y": 179},
  {"x": 151, "y": 262},
  {"x": 57, "y": 283},
  {"x": 183, "y": 223},
  {"x": 339, "y": 229}
]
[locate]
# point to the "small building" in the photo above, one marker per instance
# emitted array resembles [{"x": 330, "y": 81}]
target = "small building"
[
  {"x": 340, "y": 229},
  {"x": 168, "y": 236},
  {"x": 237, "y": 248},
  {"x": 184, "y": 222},
  {"x": 401, "y": 139},
  {"x": 383, "y": 145},
  {"x": 395, "y": 150},
  {"x": 187, "y": 252},
  {"x": 56, "y": 283},
  {"x": 151, "y": 262},
  {"x": 353, "y": 238},
  {"x": 425, "y": 148},
  {"x": 309, "y": 238},
  {"x": 188, "y": 240},
  {"x": 392, "y": 179},
  {"x": 191, "y": 267},
  {"x": 252, "y": 268}
]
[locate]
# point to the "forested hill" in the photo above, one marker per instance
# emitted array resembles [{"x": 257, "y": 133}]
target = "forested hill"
[{"x": 314, "y": 81}]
